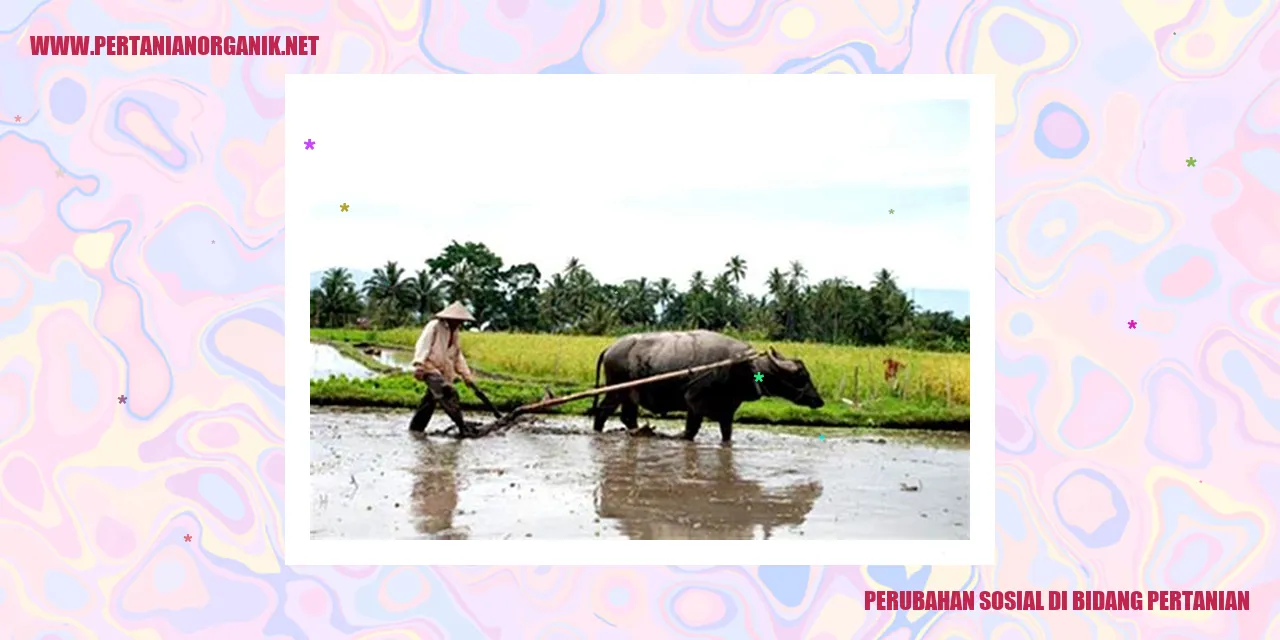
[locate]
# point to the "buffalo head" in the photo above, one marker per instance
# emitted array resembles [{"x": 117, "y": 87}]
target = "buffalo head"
[{"x": 787, "y": 378}]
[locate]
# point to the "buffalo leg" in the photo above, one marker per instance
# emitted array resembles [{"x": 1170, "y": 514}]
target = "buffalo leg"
[
  {"x": 605, "y": 409},
  {"x": 692, "y": 423},
  {"x": 630, "y": 415},
  {"x": 726, "y": 428}
]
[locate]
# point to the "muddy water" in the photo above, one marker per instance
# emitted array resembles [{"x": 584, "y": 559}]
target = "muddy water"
[
  {"x": 326, "y": 362},
  {"x": 555, "y": 479}
]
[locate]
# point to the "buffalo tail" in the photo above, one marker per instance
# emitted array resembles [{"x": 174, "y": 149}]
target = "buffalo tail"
[{"x": 595, "y": 400}]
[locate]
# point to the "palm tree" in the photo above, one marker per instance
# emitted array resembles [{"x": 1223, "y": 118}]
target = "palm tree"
[
  {"x": 336, "y": 300},
  {"x": 581, "y": 289},
  {"x": 426, "y": 295},
  {"x": 777, "y": 284},
  {"x": 884, "y": 279},
  {"x": 460, "y": 282},
  {"x": 553, "y": 303},
  {"x": 825, "y": 302},
  {"x": 316, "y": 300},
  {"x": 786, "y": 292},
  {"x": 697, "y": 315},
  {"x": 737, "y": 269},
  {"x": 517, "y": 298},
  {"x": 724, "y": 302},
  {"x": 598, "y": 320},
  {"x": 722, "y": 287},
  {"x": 638, "y": 300},
  {"x": 665, "y": 292},
  {"x": 797, "y": 274},
  {"x": 389, "y": 294},
  {"x": 697, "y": 282}
]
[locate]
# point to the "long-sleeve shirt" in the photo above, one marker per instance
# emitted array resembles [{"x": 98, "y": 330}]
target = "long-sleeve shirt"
[{"x": 438, "y": 351}]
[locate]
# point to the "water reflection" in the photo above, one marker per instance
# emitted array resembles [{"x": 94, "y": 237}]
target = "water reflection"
[
  {"x": 327, "y": 362},
  {"x": 372, "y": 480},
  {"x": 392, "y": 357},
  {"x": 435, "y": 489},
  {"x": 665, "y": 490}
]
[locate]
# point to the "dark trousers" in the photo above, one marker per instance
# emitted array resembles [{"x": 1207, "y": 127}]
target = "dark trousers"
[{"x": 440, "y": 392}]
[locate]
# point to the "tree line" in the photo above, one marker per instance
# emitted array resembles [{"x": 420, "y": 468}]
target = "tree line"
[{"x": 517, "y": 298}]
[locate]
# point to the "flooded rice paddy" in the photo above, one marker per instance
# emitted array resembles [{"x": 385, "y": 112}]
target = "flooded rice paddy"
[
  {"x": 394, "y": 358},
  {"x": 554, "y": 478},
  {"x": 327, "y": 362}
]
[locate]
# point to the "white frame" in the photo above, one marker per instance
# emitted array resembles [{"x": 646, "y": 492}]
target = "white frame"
[{"x": 300, "y": 549}]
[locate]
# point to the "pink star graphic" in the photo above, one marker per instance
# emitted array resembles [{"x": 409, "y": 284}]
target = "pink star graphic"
[
  {"x": 122, "y": 399},
  {"x": 187, "y": 537},
  {"x": 1133, "y": 324},
  {"x": 17, "y": 118}
]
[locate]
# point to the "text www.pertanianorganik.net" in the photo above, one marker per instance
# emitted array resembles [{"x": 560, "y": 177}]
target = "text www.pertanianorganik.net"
[{"x": 174, "y": 45}]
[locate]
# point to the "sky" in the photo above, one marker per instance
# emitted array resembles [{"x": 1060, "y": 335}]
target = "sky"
[{"x": 637, "y": 185}]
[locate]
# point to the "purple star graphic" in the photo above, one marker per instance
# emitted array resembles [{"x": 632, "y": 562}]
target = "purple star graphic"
[
  {"x": 122, "y": 399},
  {"x": 310, "y": 144},
  {"x": 1133, "y": 325}
]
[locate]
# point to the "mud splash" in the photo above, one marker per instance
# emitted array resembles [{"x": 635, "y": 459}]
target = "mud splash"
[{"x": 371, "y": 479}]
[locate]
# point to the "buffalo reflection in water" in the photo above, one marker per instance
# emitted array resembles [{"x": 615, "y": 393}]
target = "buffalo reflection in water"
[
  {"x": 649, "y": 489},
  {"x": 675, "y": 490}
]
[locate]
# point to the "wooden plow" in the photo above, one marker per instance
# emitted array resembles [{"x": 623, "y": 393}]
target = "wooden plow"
[{"x": 509, "y": 419}]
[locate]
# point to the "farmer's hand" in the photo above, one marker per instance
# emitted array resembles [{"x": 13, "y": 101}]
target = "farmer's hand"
[{"x": 419, "y": 373}]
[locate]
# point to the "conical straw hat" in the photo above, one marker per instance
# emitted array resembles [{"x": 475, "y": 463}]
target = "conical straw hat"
[{"x": 456, "y": 311}]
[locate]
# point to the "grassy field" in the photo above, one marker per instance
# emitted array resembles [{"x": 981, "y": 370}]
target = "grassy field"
[{"x": 932, "y": 390}]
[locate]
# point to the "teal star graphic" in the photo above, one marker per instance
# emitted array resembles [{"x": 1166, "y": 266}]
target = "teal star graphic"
[
  {"x": 822, "y": 437},
  {"x": 759, "y": 377}
]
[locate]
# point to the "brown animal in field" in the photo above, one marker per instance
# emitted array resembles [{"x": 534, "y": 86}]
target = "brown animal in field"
[{"x": 891, "y": 367}]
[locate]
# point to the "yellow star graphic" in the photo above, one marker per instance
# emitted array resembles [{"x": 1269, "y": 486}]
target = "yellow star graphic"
[{"x": 344, "y": 206}]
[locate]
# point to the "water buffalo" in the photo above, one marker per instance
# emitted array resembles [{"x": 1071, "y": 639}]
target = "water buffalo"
[{"x": 714, "y": 394}]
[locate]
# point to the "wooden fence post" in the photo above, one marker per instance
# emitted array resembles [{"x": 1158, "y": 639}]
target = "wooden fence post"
[{"x": 855, "y": 384}]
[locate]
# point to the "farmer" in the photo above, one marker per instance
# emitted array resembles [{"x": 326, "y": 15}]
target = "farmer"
[{"x": 438, "y": 361}]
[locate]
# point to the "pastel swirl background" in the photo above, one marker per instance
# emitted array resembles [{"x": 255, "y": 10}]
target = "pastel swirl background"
[{"x": 1144, "y": 458}]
